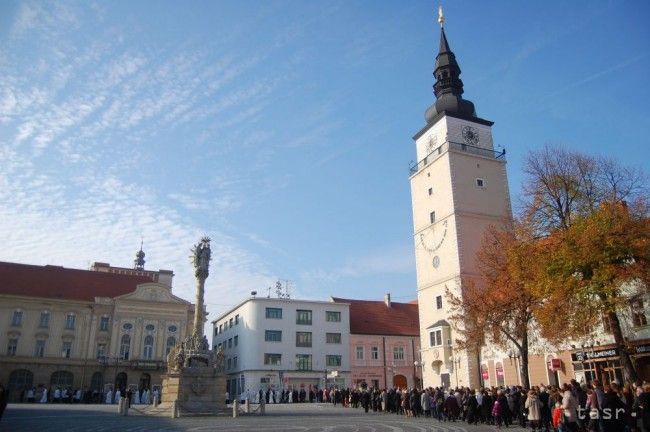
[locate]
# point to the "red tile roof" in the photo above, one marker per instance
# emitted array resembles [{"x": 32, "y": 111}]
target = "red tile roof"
[
  {"x": 375, "y": 318},
  {"x": 64, "y": 283}
]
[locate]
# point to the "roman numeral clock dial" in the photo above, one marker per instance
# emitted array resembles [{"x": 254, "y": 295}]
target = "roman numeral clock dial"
[{"x": 432, "y": 239}]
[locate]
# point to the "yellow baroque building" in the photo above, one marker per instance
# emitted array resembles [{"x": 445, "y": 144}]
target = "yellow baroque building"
[{"x": 89, "y": 330}]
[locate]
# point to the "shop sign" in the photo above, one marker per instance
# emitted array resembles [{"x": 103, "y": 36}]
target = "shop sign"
[
  {"x": 499, "y": 373},
  {"x": 484, "y": 373},
  {"x": 556, "y": 364},
  {"x": 641, "y": 349},
  {"x": 146, "y": 365},
  {"x": 589, "y": 355}
]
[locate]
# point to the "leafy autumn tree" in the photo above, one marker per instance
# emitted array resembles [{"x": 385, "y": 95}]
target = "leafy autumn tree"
[
  {"x": 598, "y": 265},
  {"x": 498, "y": 307}
]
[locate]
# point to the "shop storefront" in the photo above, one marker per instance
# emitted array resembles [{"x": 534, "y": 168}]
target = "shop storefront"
[
  {"x": 600, "y": 363},
  {"x": 641, "y": 360}
]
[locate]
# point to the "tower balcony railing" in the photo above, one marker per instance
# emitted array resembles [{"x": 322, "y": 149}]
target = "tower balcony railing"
[{"x": 458, "y": 147}]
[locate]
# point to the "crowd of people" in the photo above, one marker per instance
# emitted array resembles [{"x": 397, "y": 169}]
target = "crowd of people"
[
  {"x": 572, "y": 407},
  {"x": 69, "y": 395}
]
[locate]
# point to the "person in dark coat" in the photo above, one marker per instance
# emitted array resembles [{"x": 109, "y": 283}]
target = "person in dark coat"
[
  {"x": 3, "y": 400},
  {"x": 415, "y": 402},
  {"x": 486, "y": 408},
  {"x": 643, "y": 407},
  {"x": 451, "y": 407},
  {"x": 365, "y": 400},
  {"x": 472, "y": 408},
  {"x": 613, "y": 420}
]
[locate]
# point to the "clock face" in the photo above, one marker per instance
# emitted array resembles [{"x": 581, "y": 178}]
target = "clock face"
[
  {"x": 470, "y": 135},
  {"x": 431, "y": 144},
  {"x": 436, "y": 261},
  {"x": 432, "y": 238}
]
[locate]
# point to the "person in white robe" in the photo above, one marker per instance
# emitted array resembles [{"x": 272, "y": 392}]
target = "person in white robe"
[
  {"x": 136, "y": 397},
  {"x": 109, "y": 396},
  {"x": 44, "y": 396},
  {"x": 118, "y": 396},
  {"x": 147, "y": 396},
  {"x": 156, "y": 396}
]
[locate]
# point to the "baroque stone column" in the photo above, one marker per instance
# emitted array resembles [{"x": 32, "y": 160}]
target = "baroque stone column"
[{"x": 201, "y": 255}]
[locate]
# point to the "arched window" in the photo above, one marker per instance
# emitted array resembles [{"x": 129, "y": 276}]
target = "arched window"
[
  {"x": 171, "y": 343},
  {"x": 19, "y": 380},
  {"x": 148, "y": 347},
  {"x": 125, "y": 346},
  {"x": 97, "y": 382},
  {"x": 62, "y": 379}
]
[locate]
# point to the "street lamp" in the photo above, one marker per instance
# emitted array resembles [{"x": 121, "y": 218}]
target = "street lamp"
[
  {"x": 418, "y": 380},
  {"x": 516, "y": 357},
  {"x": 455, "y": 363}
]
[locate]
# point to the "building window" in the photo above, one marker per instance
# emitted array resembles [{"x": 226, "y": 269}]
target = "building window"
[
  {"x": 229, "y": 364},
  {"x": 172, "y": 329},
  {"x": 103, "y": 323},
  {"x": 171, "y": 343},
  {"x": 438, "y": 302},
  {"x": 236, "y": 340},
  {"x": 127, "y": 326},
  {"x": 66, "y": 349},
  {"x": 430, "y": 191},
  {"x": 216, "y": 331},
  {"x": 359, "y": 353},
  {"x": 44, "y": 322},
  {"x": 234, "y": 362},
  {"x": 432, "y": 217},
  {"x": 272, "y": 359},
  {"x": 607, "y": 324},
  {"x": 150, "y": 327},
  {"x": 273, "y": 336},
  {"x": 17, "y": 319},
  {"x": 303, "y": 317},
  {"x": 303, "y": 339},
  {"x": 39, "y": 350},
  {"x": 230, "y": 343},
  {"x": 374, "y": 353},
  {"x": 638, "y": 313},
  {"x": 398, "y": 353},
  {"x": 274, "y": 313},
  {"x": 125, "y": 346},
  {"x": 148, "y": 347},
  {"x": 333, "y": 338},
  {"x": 480, "y": 182},
  {"x": 435, "y": 338},
  {"x": 101, "y": 350},
  {"x": 236, "y": 319},
  {"x": 230, "y": 323},
  {"x": 220, "y": 328},
  {"x": 333, "y": 360},
  {"x": 12, "y": 346},
  {"x": 69, "y": 321},
  {"x": 303, "y": 362},
  {"x": 333, "y": 316}
]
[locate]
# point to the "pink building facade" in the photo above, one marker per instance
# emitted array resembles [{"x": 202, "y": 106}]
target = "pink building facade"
[{"x": 384, "y": 343}]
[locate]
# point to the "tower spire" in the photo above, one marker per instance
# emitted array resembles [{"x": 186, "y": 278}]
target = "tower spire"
[{"x": 448, "y": 87}]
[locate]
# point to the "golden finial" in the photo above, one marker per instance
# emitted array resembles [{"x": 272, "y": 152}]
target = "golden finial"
[{"x": 441, "y": 17}]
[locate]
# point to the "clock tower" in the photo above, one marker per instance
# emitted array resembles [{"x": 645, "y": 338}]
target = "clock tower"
[{"x": 459, "y": 188}]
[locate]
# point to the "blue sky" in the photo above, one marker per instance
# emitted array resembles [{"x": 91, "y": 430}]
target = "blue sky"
[{"x": 283, "y": 129}]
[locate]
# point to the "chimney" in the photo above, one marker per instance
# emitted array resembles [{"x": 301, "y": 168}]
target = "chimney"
[{"x": 387, "y": 299}]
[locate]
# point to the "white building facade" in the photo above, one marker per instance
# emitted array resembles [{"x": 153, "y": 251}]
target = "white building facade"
[{"x": 284, "y": 344}]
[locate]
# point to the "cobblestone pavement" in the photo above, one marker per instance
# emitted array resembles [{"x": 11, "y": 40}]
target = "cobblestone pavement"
[{"x": 279, "y": 418}]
